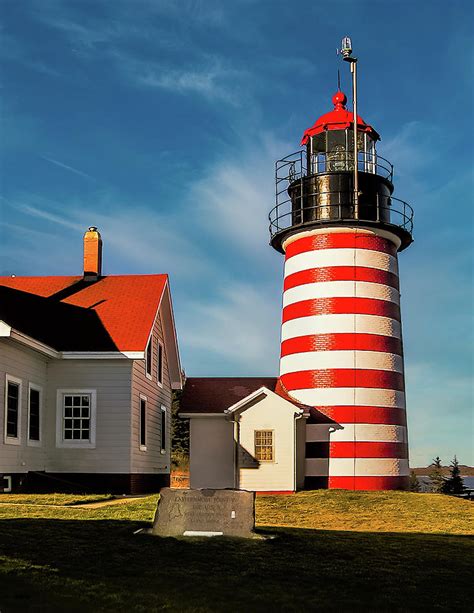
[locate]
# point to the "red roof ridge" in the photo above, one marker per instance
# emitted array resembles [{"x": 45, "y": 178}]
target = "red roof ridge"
[{"x": 157, "y": 274}]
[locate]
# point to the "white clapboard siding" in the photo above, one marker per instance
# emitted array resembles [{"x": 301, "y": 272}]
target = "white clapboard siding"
[
  {"x": 30, "y": 367},
  {"x": 112, "y": 381},
  {"x": 151, "y": 461},
  {"x": 270, "y": 413}
]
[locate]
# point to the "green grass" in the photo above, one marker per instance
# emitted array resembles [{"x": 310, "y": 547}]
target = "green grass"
[
  {"x": 369, "y": 512},
  {"x": 53, "y": 499},
  {"x": 332, "y": 551}
]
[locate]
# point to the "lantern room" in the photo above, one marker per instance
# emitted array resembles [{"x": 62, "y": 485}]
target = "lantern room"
[
  {"x": 316, "y": 185},
  {"x": 330, "y": 142}
]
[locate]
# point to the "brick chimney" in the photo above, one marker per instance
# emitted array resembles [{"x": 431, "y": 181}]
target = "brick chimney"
[{"x": 92, "y": 254}]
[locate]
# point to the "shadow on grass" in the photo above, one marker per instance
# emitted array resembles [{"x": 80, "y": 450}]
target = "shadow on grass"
[{"x": 57, "y": 565}]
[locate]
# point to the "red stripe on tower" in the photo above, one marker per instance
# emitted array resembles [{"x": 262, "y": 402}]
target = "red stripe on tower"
[
  {"x": 340, "y": 241},
  {"x": 342, "y": 377},
  {"x": 365, "y": 415},
  {"x": 342, "y": 341},
  {"x": 341, "y": 273},
  {"x": 370, "y": 483},
  {"x": 330, "y": 306},
  {"x": 363, "y": 449}
]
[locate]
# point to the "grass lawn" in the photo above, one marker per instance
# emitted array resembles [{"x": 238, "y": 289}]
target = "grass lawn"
[
  {"x": 53, "y": 499},
  {"x": 333, "y": 551}
]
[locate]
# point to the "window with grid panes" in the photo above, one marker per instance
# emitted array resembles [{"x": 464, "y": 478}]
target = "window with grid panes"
[
  {"x": 264, "y": 445},
  {"x": 77, "y": 417}
]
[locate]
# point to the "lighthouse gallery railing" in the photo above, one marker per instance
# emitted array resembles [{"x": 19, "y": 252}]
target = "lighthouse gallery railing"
[{"x": 296, "y": 206}]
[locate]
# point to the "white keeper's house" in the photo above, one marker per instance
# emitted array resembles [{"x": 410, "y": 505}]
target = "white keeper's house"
[
  {"x": 87, "y": 368},
  {"x": 246, "y": 433}
]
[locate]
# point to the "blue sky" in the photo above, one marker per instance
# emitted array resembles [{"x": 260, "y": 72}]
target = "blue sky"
[{"x": 160, "y": 121}]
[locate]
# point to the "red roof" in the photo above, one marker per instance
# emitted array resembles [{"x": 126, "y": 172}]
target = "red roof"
[
  {"x": 216, "y": 394},
  {"x": 338, "y": 119},
  {"x": 114, "y": 313}
]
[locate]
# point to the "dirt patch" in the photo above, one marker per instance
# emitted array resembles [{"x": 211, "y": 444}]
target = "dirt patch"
[{"x": 106, "y": 503}]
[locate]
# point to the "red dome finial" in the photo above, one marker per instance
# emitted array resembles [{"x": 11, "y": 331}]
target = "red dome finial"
[{"x": 339, "y": 100}]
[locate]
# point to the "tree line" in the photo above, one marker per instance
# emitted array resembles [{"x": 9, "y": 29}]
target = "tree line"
[{"x": 439, "y": 484}]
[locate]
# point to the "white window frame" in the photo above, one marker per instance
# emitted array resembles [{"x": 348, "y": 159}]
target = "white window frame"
[
  {"x": 159, "y": 375},
  {"x": 165, "y": 417},
  {"x": 13, "y": 440},
  {"x": 31, "y": 442},
  {"x": 149, "y": 375},
  {"x": 142, "y": 397},
  {"x": 75, "y": 443}
]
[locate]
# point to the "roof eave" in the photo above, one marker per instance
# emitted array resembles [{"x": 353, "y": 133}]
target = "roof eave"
[
  {"x": 7, "y": 331},
  {"x": 175, "y": 362},
  {"x": 200, "y": 415},
  {"x": 260, "y": 392}
]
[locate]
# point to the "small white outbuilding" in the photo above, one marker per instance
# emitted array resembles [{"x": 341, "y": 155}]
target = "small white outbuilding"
[{"x": 245, "y": 433}]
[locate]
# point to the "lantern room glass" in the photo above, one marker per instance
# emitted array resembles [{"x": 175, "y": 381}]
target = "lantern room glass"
[{"x": 333, "y": 151}]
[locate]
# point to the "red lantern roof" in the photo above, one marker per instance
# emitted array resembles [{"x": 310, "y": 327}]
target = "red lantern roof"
[{"x": 338, "y": 119}]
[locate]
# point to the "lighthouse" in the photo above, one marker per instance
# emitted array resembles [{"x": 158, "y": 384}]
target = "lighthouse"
[{"x": 340, "y": 229}]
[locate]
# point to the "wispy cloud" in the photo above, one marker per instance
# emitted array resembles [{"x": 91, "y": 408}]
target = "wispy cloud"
[
  {"x": 137, "y": 239},
  {"x": 15, "y": 51},
  {"x": 34, "y": 211},
  {"x": 237, "y": 193},
  {"x": 211, "y": 81},
  {"x": 241, "y": 320},
  {"x": 66, "y": 167}
]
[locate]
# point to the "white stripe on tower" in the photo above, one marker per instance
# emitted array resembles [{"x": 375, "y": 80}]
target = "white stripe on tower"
[{"x": 342, "y": 354}]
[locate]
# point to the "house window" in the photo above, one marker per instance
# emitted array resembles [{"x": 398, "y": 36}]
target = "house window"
[
  {"x": 148, "y": 357},
  {"x": 142, "y": 423},
  {"x": 34, "y": 414},
  {"x": 164, "y": 441},
  {"x": 160, "y": 364},
  {"x": 264, "y": 445},
  {"x": 12, "y": 410},
  {"x": 75, "y": 418}
]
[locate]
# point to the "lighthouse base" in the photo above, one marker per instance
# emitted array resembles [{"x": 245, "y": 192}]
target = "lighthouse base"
[{"x": 357, "y": 483}]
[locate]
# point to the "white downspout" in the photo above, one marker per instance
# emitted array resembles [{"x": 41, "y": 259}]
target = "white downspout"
[
  {"x": 295, "y": 450},
  {"x": 236, "y": 450}
]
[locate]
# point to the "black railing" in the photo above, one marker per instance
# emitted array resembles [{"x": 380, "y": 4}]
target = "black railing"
[
  {"x": 299, "y": 164},
  {"x": 395, "y": 213},
  {"x": 304, "y": 197}
]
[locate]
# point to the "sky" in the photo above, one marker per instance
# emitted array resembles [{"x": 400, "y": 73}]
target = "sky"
[{"x": 160, "y": 121}]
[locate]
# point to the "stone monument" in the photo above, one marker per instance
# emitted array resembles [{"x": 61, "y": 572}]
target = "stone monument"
[{"x": 205, "y": 513}]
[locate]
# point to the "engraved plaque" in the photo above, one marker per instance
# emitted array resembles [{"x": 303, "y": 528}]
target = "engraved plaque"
[{"x": 205, "y": 513}]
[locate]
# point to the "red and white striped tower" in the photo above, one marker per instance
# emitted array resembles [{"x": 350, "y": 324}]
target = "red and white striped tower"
[{"x": 341, "y": 345}]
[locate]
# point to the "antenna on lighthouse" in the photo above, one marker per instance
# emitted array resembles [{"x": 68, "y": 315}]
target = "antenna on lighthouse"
[{"x": 346, "y": 52}]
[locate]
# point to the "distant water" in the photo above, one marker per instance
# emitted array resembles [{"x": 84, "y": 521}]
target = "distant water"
[
  {"x": 425, "y": 482},
  {"x": 469, "y": 482}
]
